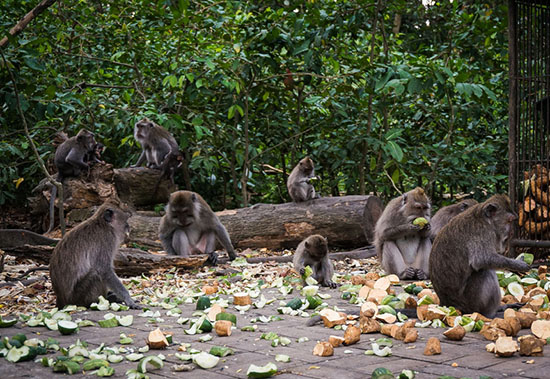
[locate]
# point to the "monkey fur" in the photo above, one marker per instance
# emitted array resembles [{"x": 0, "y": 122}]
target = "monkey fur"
[
  {"x": 445, "y": 214},
  {"x": 299, "y": 181},
  {"x": 402, "y": 247},
  {"x": 156, "y": 143},
  {"x": 190, "y": 226},
  {"x": 71, "y": 158},
  {"x": 466, "y": 252},
  {"x": 171, "y": 163},
  {"x": 313, "y": 252},
  {"x": 81, "y": 266},
  {"x": 94, "y": 156}
]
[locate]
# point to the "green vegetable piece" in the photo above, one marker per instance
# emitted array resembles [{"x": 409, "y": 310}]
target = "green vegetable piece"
[
  {"x": 420, "y": 221},
  {"x": 416, "y": 290},
  {"x": 227, "y": 316},
  {"x": 220, "y": 351},
  {"x": 266, "y": 371},
  {"x": 203, "y": 303},
  {"x": 206, "y": 326},
  {"x": 382, "y": 373},
  {"x": 308, "y": 271},
  {"x": 109, "y": 323},
  {"x": 94, "y": 364},
  {"x": 156, "y": 362},
  {"x": 294, "y": 304},
  {"x": 7, "y": 323},
  {"x": 105, "y": 371},
  {"x": 69, "y": 367},
  {"x": 314, "y": 302},
  {"x": 67, "y": 327}
]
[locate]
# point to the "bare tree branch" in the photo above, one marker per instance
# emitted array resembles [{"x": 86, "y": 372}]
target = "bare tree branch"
[{"x": 22, "y": 24}]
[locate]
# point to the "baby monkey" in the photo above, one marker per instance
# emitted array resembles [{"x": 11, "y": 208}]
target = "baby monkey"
[{"x": 313, "y": 252}]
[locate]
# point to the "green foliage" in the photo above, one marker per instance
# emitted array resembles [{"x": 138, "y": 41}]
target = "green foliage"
[{"x": 374, "y": 107}]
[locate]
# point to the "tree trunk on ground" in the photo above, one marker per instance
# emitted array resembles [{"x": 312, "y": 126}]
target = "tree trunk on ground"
[
  {"x": 347, "y": 222},
  {"x": 136, "y": 186}
]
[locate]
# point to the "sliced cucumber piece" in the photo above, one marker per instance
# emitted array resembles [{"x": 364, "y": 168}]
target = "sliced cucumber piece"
[
  {"x": 266, "y": 371},
  {"x": 156, "y": 362},
  {"x": 67, "y": 327}
]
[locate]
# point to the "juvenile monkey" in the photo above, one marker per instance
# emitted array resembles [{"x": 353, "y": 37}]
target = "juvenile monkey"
[
  {"x": 313, "y": 252},
  {"x": 81, "y": 266},
  {"x": 156, "y": 143},
  {"x": 445, "y": 214},
  {"x": 94, "y": 156},
  {"x": 466, "y": 253},
  {"x": 190, "y": 226},
  {"x": 71, "y": 158},
  {"x": 299, "y": 181},
  {"x": 402, "y": 246}
]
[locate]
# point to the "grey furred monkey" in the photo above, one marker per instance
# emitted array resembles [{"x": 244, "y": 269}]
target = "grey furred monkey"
[
  {"x": 403, "y": 247},
  {"x": 445, "y": 214},
  {"x": 466, "y": 252},
  {"x": 81, "y": 266},
  {"x": 299, "y": 181},
  {"x": 156, "y": 143},
  {"x": 190, "y": 226},
  {"x": 313, "y": 252}
]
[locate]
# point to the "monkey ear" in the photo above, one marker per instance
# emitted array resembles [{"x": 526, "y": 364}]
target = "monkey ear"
[
  {"x": 490, "y": 210},
  {"x": 193, "y": 198},
  {"x": 307, "y": 245},
  {"x": 108, "y": 215}
]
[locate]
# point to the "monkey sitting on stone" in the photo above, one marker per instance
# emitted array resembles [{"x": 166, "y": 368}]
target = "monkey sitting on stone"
[
  {"x": 156, "y": 143},
  {"x": 313, "y": 252},
  {"x": 402, "y": 236},
  {"x": 466, "y": 252},
  {"x": 445, "y": 214},
  {"x": 299, "y": 181},
  {"x": 81, "y": 266},
  {"x": 190, "y": 226}
]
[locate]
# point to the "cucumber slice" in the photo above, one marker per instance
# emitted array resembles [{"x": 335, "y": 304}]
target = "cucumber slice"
[
  {"x": 310, "y": 290},
  {"x": 51, "y": 323},
  {"x": 69, "y": 367},
  {"x": 282, "y": 358},
  {"x": 7, "y": 323},
  {"x": 294, "y": 304},
  {"x": 134, "y": 357},
  {"x": 105, "y": 371},
  {"x": 516, "y": 289},
  {"x": 94, "y": 364},
  {"x": 266, "y": 371},
  {"x": 220, "y": 351},
  {"x": 205, "y": 360},
  {"x": 382, "y": 373},
  {"x": 156, "y": 362},
  {"x": 126, "y": 320},
  {"x": 206, "y": 325},
  {"x": 67, "y": 327},
  {"x": 113, "y": 358},
  {"x": 21, "y": 354},
  {"x": 227, "y": 316},
  {"x": 203, "y": 303},
  {"x": 109, "y": 323}
]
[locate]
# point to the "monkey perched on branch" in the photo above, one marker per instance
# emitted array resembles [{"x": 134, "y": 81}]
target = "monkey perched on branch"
[
  {"x": 190, "y": 226},
  {"x": 156, "y": 143},
  {"x": 466, "y": 252},
  {"x": 81, "y": 266},
  {"x": 402, "y": 238},
  {"x": 299, "y": 181}
]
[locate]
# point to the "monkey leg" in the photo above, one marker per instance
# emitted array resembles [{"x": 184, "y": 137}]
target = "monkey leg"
[
  {"x": 422, "y": 260},
  {"x": 180, "y": 243},
  {"x": 113, "y": 283},
  {"x": 297, "y": 193},
  {"x": 88, "y": 289},
  {"x": 210, "y": 247},
  {"x": 481, "y": 294},
  {"x": 323, "y": 273},
  {"x": 393, "y": 263}
]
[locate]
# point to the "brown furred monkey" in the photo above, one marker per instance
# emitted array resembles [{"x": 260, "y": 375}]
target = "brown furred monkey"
[
  {"x": 403, "y": 248},
  {"x": 313, "y": 252},
  {"x": 156, "y": 143},
  {"x": 466, "y": 252},
  {"x": 81, "y": 266},
  {"x": 445, "y": 214},
  {"x": 190, "y": 226},
  {"x": 71, "y": 158},
  {"x": 299, "y": 181}
]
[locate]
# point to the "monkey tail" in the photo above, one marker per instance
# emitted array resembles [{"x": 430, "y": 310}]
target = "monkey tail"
[{"x": 53, "y": 194}]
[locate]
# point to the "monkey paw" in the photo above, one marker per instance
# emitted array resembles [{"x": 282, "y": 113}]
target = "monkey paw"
[
  {"x": 331, "y": 284},
  {"x": 420, "y": 274},
  {"x": 212, "y": 258},
  {"x": 408, "y": 273},
  {"x": 135, "y": 306},
  {"x": 302, "y": 271}
]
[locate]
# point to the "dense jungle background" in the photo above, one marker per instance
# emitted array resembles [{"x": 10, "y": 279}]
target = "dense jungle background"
[{"x": 383, "y": 95}]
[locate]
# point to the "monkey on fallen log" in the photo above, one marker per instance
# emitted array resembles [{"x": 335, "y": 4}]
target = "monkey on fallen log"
[
  {"x": 403, "y": 245},
  {"x": 190, "y": 226},
  {"x": 81, "y": 266},
  {"x": 465, "y": 255},
  {"x": 156, "y": 143},
  {"x": 299, "y": 181}
]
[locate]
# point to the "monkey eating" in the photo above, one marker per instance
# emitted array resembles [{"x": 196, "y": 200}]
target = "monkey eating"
[
  {"x": 402, "y": 238},
  {"x": 81, "y": 266},
  {"x": 465, "y": 255},
  {"x": 190, "y": 226},
  {"x": 445, "y": 214},
  {"x": 313, "y": 252},
  {"x": 299, "y": 181},
  {"x": 156, "y": 143}
]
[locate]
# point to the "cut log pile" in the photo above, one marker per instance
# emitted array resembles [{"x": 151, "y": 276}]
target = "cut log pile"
[{"x": 534, "y": 217}]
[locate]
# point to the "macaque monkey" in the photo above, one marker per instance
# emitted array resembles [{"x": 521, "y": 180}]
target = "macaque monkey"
[
  {"x": 71, "y": 158},
  {"x": 156, "y": 143},
  {"x": 190, "y": 226},
  {"x": 445, "y": 214},
  {"x": 94, "y": 156},
  {"x": 168, "y": 168},
  {"x": 81, "y": 266},
  {"x": 466, "y": 252},
  {"x": 402, "y": 244},
  {"x": 313, "y": 252},
  {"x": 299, "y": 181}
]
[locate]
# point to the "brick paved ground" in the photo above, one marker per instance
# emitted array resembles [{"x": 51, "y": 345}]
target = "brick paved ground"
[{"x": 469, "y": 356}]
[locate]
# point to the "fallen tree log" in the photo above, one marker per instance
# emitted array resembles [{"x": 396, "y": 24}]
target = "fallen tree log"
[
  {"x": 20, "y": 237},
  {"x": 136, "y": 186},
  {"x": 347, "y": 222}
]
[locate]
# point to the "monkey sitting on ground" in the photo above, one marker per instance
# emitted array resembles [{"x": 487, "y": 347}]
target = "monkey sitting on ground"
[
  {"x": 190, "y": 226},
  {"x": 445, "y": 214},
  {"x": 403, "y": 247},
  {"x": 71, "y": 158},
  {"x": 156, "y": 143},
  {"x": 81, "y": 266},
  {"x": 466, "y": 253},
  {"x": 313, "y": 252},
  {"x": 299, "y": 181}
]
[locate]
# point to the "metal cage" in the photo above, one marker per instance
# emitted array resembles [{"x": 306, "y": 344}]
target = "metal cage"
[{"x": 529, "y": 110}]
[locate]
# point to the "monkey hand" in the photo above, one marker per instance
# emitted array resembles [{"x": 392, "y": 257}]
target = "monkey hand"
[
  {"x": 408, "y": 273},
  {"x": 420, "y": 274},
  {"x": 212, "y": 258},
  {"x": 134, "y": 305},
  {"x": 302, "y": 271},
  {"x": 522, "y": 266},
  {"x": 331, "y": 284}
]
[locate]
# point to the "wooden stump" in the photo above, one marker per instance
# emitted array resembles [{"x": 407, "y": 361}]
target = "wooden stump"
[
  {"x": 347, "y": 222},
  {"x": 136, "y": 186}
]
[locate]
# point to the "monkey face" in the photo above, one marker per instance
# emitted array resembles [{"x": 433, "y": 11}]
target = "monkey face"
[
  {"x": 306, "y": 165},
  {"x": 182, "y": 216},
  {"x": 500, "y": 214},
  {"x": 86, "y": 139},
  {"x": 143, "y": 128},
  {"x": 317, "y": 246}
]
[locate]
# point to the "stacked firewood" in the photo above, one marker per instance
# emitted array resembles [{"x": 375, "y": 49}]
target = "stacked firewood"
[{"x": 534, "y": 212}]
